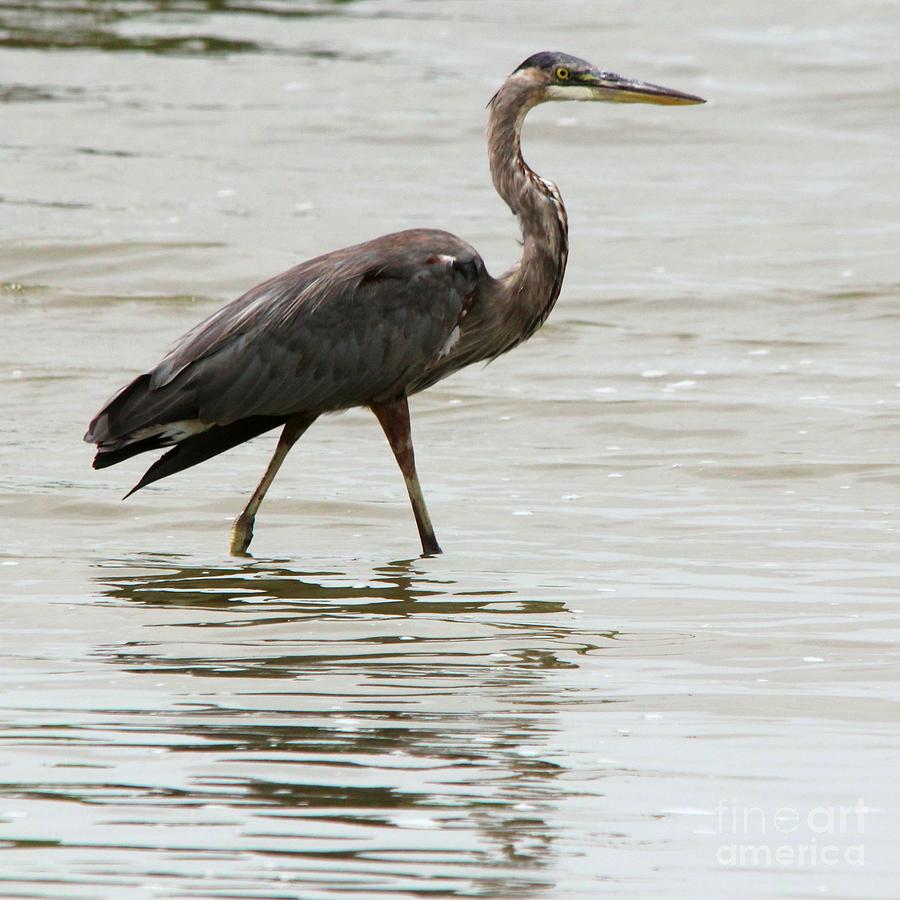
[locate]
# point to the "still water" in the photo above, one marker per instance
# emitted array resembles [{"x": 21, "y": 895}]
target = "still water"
[{"x": 659, "y": 656}]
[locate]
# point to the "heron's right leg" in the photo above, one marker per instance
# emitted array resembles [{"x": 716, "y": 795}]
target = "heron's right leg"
[
  {"x": 394, "y": 418},
  {"x": 242, "y": 530}
]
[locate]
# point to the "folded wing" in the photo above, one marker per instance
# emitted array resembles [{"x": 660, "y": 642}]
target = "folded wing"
[{"x": 344, "y": 329}]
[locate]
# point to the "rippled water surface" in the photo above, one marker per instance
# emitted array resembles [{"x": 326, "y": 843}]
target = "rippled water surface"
[{"x": 659, "y": 656}]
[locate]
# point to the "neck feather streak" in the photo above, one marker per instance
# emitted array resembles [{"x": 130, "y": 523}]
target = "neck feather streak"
[{"x": 530, "y": 288}]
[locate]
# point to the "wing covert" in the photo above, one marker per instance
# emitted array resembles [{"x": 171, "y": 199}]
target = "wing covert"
[{"x": 337, "y": 331}]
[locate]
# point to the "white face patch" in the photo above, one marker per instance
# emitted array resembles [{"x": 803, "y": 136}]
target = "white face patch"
[{"x": 575, "y": 92}]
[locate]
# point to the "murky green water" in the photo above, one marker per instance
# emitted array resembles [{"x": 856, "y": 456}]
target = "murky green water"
[{"x": 659, "y": 657}]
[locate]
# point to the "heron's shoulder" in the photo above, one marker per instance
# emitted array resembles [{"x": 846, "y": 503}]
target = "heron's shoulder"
[
  {"x": 417, "y": 253},
  {"x": 398, "y": 254},
  {"x": 417, "y": 241}
]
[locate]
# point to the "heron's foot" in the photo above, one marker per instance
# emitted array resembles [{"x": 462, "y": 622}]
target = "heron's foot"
[
  {"x": 430, "y": 546},
  {"x": 241, "y": 535}
]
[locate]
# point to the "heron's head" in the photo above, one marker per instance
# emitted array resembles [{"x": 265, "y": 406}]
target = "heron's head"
[{"x": 558, "y": 76}]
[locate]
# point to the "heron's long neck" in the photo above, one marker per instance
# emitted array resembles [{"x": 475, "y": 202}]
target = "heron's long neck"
[{"x": 530, "y": 287}]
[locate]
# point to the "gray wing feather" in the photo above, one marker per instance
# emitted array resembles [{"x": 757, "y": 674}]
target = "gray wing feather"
[{"x": 341, "y": 330}]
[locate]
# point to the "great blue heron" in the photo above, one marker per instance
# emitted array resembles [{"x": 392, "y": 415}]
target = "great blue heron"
[{"x": 367, "y": 325}]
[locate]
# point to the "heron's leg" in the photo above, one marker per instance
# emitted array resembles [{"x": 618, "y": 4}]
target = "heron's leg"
[
  {"x": 242, "y": 530},
  {"x": 394, "y": 418}
]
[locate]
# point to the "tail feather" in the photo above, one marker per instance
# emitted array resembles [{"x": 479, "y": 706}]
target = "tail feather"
[
  {"x": 137, "y": 406},
  {"x": 106, "y": 458},
  {"x": 203, "y": 446}
]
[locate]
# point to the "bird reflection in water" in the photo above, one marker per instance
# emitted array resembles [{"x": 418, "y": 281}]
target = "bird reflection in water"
[
  {"x": 382, "y": 703},
  {"x": 399, "y": 588}
]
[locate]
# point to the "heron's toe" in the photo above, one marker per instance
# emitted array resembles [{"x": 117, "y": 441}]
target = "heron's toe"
[{"x": 241, "y": 535}]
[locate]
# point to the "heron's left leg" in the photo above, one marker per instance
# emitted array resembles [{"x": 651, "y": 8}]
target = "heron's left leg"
[
  {"x": 242, "y": 530},
  {"x": 394, "y": 418}
]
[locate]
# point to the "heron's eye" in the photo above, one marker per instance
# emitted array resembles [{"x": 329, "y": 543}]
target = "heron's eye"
[{"x": 562, "y": 73}]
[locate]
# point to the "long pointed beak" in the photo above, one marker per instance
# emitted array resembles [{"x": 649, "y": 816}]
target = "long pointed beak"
[{"x": 615, "y": 89}]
